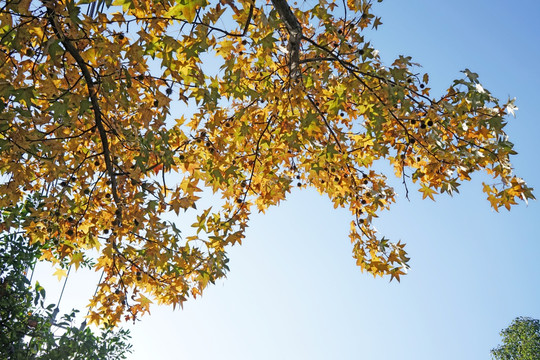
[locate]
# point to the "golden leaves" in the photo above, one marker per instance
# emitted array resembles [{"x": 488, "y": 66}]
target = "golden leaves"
[{"x": 248, "y": 133}]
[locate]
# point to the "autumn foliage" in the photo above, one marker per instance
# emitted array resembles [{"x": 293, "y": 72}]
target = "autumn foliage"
[{"x": 116, "y": 115}]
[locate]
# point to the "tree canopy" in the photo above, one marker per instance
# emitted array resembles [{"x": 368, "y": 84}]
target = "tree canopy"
[
  {"x": 115, "y": 114},
  {"x": 33, "y": 330},
  {"x": 520, "y": 341}
]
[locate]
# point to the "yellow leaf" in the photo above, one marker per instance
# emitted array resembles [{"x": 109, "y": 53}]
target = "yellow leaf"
[
  {"x": 60, "y": 273},
  {"x": 76, "y": 259},
  {"x": 94, "y": 317},
  {"x": 427, "y": 192},
  {"x": 144, "y": 302},
  {"x": 84, "y": 227}
]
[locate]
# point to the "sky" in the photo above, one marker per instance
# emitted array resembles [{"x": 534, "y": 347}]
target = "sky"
[{"x": 294, "y": 291}]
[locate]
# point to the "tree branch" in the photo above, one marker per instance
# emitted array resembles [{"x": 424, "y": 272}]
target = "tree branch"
[
  {"x": 92, "y": 93},
  {"x": 295, "y": 35}
]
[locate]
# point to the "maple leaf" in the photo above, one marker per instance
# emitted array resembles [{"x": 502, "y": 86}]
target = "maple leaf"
[
  {"x": 95, "y": 317},
  {"x": 76, "y": 259},
  {"x": 144, "y": 302},
  {"x": 427, "y": 192},
  {"x": 157, "y": 168},
  {"x": 511, "y": 108},
  {"x": 60, "y": 273}
]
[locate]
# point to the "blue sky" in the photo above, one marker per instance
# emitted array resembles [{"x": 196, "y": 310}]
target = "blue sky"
[{"x": 294, "y": 291}]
